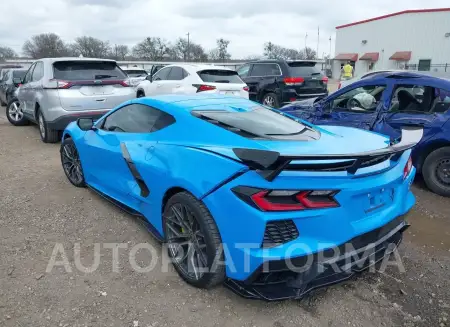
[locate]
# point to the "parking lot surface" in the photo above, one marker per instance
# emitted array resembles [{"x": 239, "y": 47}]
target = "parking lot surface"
[{"x": 39, "y": 208}]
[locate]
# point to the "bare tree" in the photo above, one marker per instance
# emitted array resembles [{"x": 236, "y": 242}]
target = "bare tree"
[
  {"x": 44, "y": 45},
  {"x": 7, "y": 53},
  {"x": 180, "y": 51},
  {"x": 308, "y": 53},
  {"x": 222, "y": 47},
  {"x": 273, "y": 51},
  {"x": 151, "y": 48},
  {"x": 119, "y": 52},
  {"x": 89, "y": 46}
]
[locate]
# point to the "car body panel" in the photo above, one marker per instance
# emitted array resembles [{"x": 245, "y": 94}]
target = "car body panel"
[{"x": 173, "y": 157}]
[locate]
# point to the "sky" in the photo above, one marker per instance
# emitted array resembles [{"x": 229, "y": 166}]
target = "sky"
[{"x": 248, "y": 24}]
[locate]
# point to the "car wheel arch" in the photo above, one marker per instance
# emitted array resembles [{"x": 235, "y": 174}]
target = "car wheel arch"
[
  {"x": 428, "y": 150},
  {"x": 140, "y": 91},
  {"x": 37, "y": 107}
]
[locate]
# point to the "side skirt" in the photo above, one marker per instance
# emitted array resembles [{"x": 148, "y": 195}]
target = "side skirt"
[{"x": 140, "y": 217}]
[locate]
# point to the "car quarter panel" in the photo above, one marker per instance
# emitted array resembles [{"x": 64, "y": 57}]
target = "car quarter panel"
[
  {"x": 318, "y": 229},
  {"x": 164, "y": 167}
]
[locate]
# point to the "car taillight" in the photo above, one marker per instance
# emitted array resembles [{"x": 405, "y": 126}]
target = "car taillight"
[
  {"x": 246, "y": 88},
  {"x": 125, "y": 83},
  {"x": 325, "y": 80},
  {"x": 407, "y": 168},
  {"x": 58, "y": 84},
  {"x": 286, "y": 200},
  {"x": 202, "y": 87},
  {"x": 293, "y": 80}
]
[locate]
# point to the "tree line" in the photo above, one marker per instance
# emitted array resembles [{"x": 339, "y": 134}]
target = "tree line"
[{"x": 151, "y": 49}]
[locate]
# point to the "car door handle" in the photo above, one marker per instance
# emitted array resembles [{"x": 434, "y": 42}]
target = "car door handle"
[
  {"x": 158, "y": 85},
  {"x": 178, "y": 85}
]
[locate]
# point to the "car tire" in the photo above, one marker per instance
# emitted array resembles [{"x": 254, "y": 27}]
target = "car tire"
[
  {"x": 14, "y": 113},
  {"x": 2, "y": 103},
  {"x": 271, "y": 100},
  {"x": 436, "y": 171},
  {"x": 71, "y": 163},
  {"x": 207, "y": 235},
  {"x": 48, "y": 135},
  {"x": 140, "y": 94}
]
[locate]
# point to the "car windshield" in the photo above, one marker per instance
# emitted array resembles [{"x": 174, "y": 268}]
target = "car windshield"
[
  {"x": 220, "y": 76},
  {"x": 19, "y": 73},
  {"x": 135, "y": 72},
  {"x": 259, "y": 121},
  {"x": 86, "y": 70},
  {"x": 302, "y": 68}
]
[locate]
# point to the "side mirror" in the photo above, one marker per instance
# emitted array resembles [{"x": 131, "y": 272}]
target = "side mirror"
[
  {"x": 17, "y": 81},
  {"x": 149, "y": 78},
  {"x": 85, "y": 124}
]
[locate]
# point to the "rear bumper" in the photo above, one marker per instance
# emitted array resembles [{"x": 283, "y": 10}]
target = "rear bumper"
[
  {"x": 294, "y": 278},
  {"x": 290, "y": 95},
  {"x": 61, "y": 122}
]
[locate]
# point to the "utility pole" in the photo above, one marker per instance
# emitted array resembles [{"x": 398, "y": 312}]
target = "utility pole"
[
  {"x": 330, "y": 46},
  {"x": 306, "y": 36},
  {"x": 318, "y": 38},
  {"x": 187, "y": 50},
  {"x": 329, "y": 58}
]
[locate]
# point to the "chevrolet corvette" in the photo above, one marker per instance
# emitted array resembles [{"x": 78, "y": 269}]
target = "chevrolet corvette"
[{"x": 245, "y": 195}]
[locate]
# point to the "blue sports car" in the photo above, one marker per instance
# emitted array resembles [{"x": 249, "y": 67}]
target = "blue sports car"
[
  {"x": 245, "y": 195},
  {"x": 384, "y": 102}
]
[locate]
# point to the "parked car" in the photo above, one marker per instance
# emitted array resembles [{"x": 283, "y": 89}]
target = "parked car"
[
  {"x": 191, "y": 79},
  {"x": 386, "y": 102},
  {"x": 278, "y": 203},
  {"x": 6, "y": 67},
  {"x": 135, "y": 74},
  {"x": 277, "y": 82},
  {"x": 57, "y": 91},
  {"x": 9, "y": 83}
]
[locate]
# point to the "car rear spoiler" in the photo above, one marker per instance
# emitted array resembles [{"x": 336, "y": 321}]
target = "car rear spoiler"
[{"x": 269, "y": 164}]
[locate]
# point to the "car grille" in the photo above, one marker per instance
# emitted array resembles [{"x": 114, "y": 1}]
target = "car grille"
[{"x": 279, "y": 232}]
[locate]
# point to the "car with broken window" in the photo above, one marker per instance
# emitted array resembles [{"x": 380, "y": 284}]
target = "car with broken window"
[{"x": 386, "y": 102}]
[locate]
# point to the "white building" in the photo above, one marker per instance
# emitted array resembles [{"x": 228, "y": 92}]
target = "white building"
[{"x": 411, "y": 39}]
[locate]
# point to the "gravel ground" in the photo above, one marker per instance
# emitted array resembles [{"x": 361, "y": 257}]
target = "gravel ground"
[{"x": 39, "y": 208}]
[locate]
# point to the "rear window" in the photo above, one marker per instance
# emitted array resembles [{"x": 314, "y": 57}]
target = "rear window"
[
  {"x": 19, "y": 73},
  {"x": 302, "y": 68},
  {"x": 219, "y": 76},
  {"x": 135, "y": 73},
  {"x": 86, "y": 70},
  {"x": 257, "y": 123}
]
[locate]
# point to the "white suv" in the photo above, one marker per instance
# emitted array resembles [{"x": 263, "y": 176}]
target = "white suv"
[{"x": 191, "y": 79}]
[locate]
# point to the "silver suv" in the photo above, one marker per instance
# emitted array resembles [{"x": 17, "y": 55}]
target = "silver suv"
[{"x": 57, "y": 91}]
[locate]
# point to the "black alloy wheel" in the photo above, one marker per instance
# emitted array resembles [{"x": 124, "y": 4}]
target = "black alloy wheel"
[
  {"x": 71, "y": 163},
  {"x": 186, "y": 242},
  {"x": 193, "y": 241}
]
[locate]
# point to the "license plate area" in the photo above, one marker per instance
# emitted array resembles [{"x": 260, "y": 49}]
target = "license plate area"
[
  {"x": 377, "y": 200},
  {"x": 97, "y": 90},
  {"x": 229, "y": 92}
]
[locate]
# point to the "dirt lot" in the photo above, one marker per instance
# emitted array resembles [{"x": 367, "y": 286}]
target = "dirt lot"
[{"x": 39, "y": 208}]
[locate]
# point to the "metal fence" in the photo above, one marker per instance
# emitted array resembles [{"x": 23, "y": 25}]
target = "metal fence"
[{"x": 437, "y": 68}]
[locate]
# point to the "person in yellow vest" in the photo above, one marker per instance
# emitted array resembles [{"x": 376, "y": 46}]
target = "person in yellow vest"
[{"x": 347, "y": 71}]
